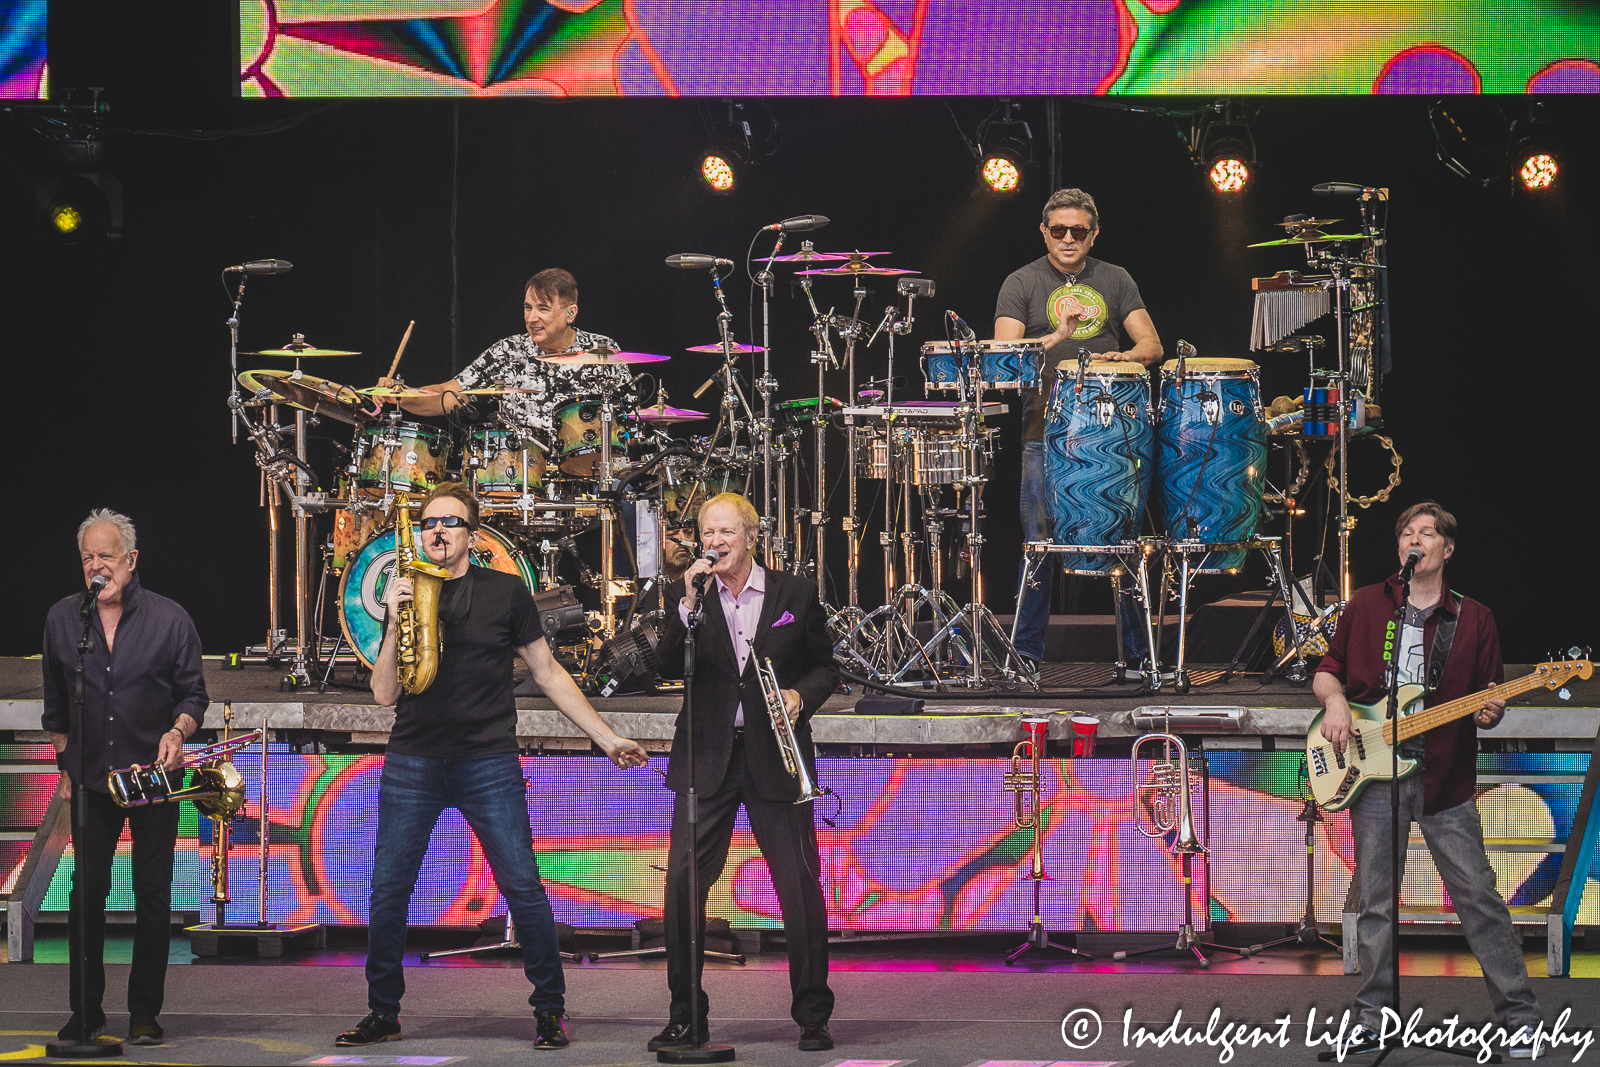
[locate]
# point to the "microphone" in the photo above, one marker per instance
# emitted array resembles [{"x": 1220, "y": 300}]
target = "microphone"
[
  {"x": 962, "y": 328},
  {"x": 682, "y": 543},
  {"x": 1413, "y": 557},
  {"x": 798, "y": 224},
  {"x": 97, "y": 585},
  {"x": 1341, "y": 189},
  {"x": 261, "y": 266},
  {"x": 1186, "y": 352},
  {"x": 710, "y": 556},
  {"x": 1083, "y": 365},
  {"x": 690, "y": 261}
]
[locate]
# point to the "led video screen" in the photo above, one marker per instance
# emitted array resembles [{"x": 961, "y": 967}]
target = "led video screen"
[
  {"x": 918, "y": 845},
  {"x": 22, "y": 50},
  {"x": 914, "y": 47}
]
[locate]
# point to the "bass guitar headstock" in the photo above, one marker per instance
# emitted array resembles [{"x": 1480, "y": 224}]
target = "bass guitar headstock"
[{"x": 1556, "y": 672}]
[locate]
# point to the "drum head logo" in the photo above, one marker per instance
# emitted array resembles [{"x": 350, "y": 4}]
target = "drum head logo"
[
  {"x": 1089, "y": 305},
  {"x": 1236, "y": 406}
]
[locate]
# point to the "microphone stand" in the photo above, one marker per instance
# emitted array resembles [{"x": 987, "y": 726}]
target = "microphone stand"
[
  {"x": 81, "y": 1047},
  {"x": 698, "y": 1050}
]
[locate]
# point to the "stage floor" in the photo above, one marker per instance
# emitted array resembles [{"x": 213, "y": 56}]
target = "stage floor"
[{"x": 941, "y": 1003}]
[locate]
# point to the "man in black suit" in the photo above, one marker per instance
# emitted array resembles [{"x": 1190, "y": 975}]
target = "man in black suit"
[{"x": 737, "y": 759}]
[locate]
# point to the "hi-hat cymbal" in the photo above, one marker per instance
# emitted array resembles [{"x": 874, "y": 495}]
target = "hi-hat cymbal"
[
  {"x": 301, "y": 350},
  {"x": 852, "y": 268},
  {"x": 807, "y": 257},
  {"x": 666, "y": 413},
  {"x": 395, "y": 394},
  {"x": 491, "y": 390},
  {"x": 743, "y": 350},
  {"x": 309, "y": 392},
  {"x": 1306, "y": 224},
  {"x": 1312, "y": 237},
  {"x": 601, "y": 356}
]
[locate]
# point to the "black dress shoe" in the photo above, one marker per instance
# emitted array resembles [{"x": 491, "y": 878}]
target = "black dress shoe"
[
  {"x": 675, "y": 1034},
  {"x": 371, "y": 1030},
  {"x": 97, "y": 1026},
  {"x": 815, "y": 1039},
  {"x": 552, "y": 1028}
]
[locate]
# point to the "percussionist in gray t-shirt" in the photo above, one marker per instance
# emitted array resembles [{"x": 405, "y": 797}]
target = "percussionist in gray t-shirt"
[{"x": 1068, "y": 300}]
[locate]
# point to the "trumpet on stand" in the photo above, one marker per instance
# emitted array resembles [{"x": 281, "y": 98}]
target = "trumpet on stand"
[
  {"x": 1027, "y": 788},
  {"x": 1162, "y": 805}
]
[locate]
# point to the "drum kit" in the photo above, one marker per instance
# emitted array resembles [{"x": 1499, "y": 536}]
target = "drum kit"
[{"x": 1148, "y": 483}]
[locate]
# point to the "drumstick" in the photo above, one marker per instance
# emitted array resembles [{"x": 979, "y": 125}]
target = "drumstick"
[{"x": 401, "y": 350}]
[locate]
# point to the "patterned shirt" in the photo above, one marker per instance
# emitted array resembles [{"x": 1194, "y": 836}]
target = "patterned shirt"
[{"x": 514, "y": 362}]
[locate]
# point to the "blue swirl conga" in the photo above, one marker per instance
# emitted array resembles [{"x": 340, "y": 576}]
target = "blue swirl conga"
[
  {"x": 1211, "y": 450},
  {"x": 1098, "y": 446}
]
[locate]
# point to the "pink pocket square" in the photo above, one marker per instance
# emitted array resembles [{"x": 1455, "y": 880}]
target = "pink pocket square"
[{"x": 785, "y": 620}]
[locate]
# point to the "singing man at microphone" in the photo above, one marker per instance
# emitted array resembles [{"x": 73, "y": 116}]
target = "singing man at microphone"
[{"x": 749, "y": 612}]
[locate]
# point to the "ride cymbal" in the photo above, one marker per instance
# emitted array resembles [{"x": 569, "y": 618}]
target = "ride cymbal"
[
  {"x": 667, "y": 414},
  {"x": 310, "y": 393},
  {"x": 743, "y": 350},
  {"x": 601, "y": 356}
]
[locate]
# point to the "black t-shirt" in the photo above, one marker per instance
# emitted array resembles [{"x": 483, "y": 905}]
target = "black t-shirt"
[
  {"x": 1031, "y": 295},
  {"x": 469, "y": 710}
]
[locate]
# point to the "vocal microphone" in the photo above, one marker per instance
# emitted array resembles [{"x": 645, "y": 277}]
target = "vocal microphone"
[
  {"x": 798, "y": 224},
  {"x": 1413, "y": 557},
  {"x": 690, "y": 261},
  {"x": 261, "y": 266},
  {"x": 961, "y": 327},
  {"x": 710, "y": 556},
  {"x": 1341, "y": 189},
  {"x": 91, "y": 594},
  {"x": 1083, "y": 365}
]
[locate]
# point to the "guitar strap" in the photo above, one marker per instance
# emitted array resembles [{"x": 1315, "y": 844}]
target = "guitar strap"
[{"x": 1443, "y": 638}]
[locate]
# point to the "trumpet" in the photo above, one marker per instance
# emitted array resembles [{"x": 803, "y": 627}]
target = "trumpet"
[
  {"x": 215, "y": 787},
  {"x": 1027, "y": 786},
  {"x": 1164, "y": 796},
  {"x": 788, "y": 744}
]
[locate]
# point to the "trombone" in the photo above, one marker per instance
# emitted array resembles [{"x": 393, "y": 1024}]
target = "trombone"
[
  {"x": 1027, "y": 787},
  {"x": 788, "y": 744}
]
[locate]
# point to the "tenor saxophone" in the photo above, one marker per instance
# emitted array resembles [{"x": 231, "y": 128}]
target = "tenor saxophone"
[
  {"x": 420, "y": 641},
  {"x": 788, "y": 744}
]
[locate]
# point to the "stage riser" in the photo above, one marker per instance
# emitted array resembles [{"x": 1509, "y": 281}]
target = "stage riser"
[{"x": 936, "y": 852}]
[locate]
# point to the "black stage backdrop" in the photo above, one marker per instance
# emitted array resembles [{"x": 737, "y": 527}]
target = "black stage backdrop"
[{"x": 437, "y": 211}]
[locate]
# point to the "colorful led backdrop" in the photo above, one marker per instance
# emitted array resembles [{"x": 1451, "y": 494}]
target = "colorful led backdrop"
[
  {"x": 905, "y": 47},
  {"x": 22, "y": 50},
  {"x": 919, "y": 845}
]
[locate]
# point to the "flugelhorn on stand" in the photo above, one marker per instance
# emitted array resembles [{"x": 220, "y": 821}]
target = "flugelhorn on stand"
[
  {"x": 1027, "y": 787},
  {"x": 1164, "y": 796}
]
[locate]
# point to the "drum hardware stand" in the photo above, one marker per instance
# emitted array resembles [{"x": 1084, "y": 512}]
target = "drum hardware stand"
[
  {"x": 822, "y": 357},
  {"x": 1300, "y": 636},
  {"x": 774, "y": 524},
  {"x": 507, "y": 942},
  {"x": 1309, "y": 933},
  {"x": 1134, "y": 557}
]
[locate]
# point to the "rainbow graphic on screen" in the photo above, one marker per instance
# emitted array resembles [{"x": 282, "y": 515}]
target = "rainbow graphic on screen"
[
  {"x": 22, "y": 50},
  {"x": 915, "y": 47},
  {"x": 920, "y": 844}
]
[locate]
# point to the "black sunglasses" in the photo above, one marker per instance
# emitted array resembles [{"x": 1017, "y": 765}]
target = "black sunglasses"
[
  {"x": 1078, "y": 232},
  {"x": 449, "y": 522}
]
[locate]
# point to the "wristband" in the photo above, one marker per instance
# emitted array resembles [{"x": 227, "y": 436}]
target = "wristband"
[{"x": 61, "y": 761}]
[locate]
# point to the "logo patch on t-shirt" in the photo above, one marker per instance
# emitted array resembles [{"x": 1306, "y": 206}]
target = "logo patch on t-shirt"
[{"x": 1092, "y": 313}]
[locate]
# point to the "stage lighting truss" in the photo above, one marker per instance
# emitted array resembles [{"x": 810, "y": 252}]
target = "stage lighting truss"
[
  {"x": 736, "y": 142},
  {"x": 1221, "y": 145},
  {"x": 1004, "y": 150},
  {"x": 1475, "y": 140}
]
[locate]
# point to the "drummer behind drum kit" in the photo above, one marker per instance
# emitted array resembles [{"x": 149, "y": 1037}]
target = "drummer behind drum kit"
[{"x": 1172, "y": 483}]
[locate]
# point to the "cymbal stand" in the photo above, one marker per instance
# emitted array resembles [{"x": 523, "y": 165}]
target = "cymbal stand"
[
  {"x": 774, "y": 524},
  {"x": 822, "y": 357},
  {"x": 850, "y": 331},
  {"x": 607, "y": 492}
]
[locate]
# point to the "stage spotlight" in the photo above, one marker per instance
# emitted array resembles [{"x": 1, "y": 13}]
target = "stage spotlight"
[
  {"x": 1229, "y": 175},
  {"x": 1538, "y": 171},
  {"x": 737, "y": 143},
  {"x": 66, "y": 218},
  {"x": 79, "y": 207},
  {"x": 1534, "y": 159},
  {"x": 1223, "y": 147},
  {"x": 1004, "y": 149},
  {"x": 717, "y": 173}
]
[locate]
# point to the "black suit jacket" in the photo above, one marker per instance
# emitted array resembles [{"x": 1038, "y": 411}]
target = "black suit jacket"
[{"x": 802, "y": 657}]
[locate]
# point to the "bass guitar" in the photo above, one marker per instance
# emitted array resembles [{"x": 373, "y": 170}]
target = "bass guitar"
[{"x": 1337, "y": 778}]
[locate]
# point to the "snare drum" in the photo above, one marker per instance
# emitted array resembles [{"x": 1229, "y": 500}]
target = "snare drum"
[
  {"x": 361, "y": 590},
  {"x": 1004, "y": 364},
  {"x": 1098, "y": 447},
  {"x": 416, "y": 455},
  {"x": 1211, "y": 451},
  {"x": 578, "y": 437},
  {"x": 503, "y": 472}
]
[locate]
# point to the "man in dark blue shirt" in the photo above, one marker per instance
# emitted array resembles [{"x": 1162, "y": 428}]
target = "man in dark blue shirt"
[{"x": 144, "y": 694}]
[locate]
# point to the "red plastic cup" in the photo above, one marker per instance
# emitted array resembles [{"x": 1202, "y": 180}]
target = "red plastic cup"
[{"x": 1084, "y": 728}]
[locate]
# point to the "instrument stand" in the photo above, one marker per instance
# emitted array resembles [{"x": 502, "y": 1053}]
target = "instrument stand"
[
  {"x": 1309, "y": 934},
  {"x": 1188, "y": 940},
  {"x": 1300, "y": 636},
  {"x": 1134, "y": 558},
  {"x": 1039, "y": 938},
  {"x": 698, "y": 1050},
  {"x": 82, "y": 1047},
  {"x": 508, "y": 943}
]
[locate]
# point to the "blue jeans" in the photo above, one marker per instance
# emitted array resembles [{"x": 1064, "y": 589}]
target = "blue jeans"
[
  {"x": 489, "y": 793},
  {"x": 1455, "y": 838},
  {"x": 1033, "y": 607}
]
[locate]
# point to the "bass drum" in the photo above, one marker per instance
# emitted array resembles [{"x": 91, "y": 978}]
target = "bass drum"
[{"x": 366, "y": 577}]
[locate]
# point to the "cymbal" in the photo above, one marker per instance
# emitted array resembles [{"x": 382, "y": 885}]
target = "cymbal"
[
  {"x": 806, "y": 257},
  {"x": 851, "y": 268},
  {"x": 491, "y": 390},
  {"x": 1306, "y": 224},
  {"x": 1312, "y": 237},
  {"x": 743, "y": 350},
  {"x": 666, "y": 413},
  {"x": 300, "y": 350},
  {"x": 389, "y": 392},
  {"x": 310, "y": 393},
  {"x": 601, "y": 356}
]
